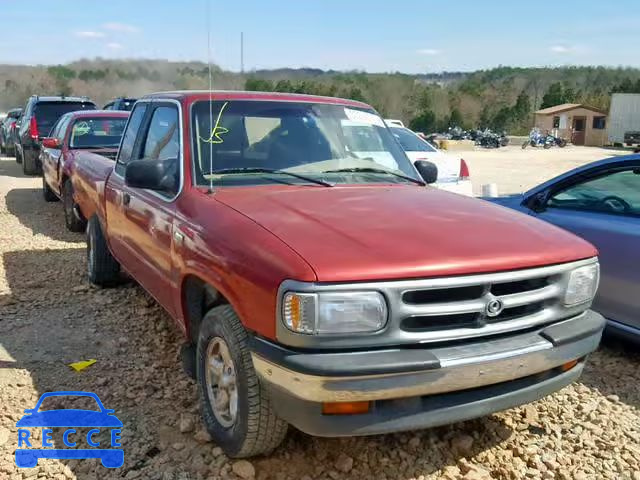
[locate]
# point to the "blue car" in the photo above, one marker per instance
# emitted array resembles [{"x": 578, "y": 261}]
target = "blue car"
[
  {"x": 599, "y": 202},
  {"x": 104, "y": 418}
]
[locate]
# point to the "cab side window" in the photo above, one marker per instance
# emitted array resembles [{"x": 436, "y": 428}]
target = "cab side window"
[
  {"x": 61, "y": 128},
  {"x": 163, "y": 136},
  {"x": 161, "y": 142},
  {"x": 613, "y": 193},
  {"x": 130, "y": 136}
]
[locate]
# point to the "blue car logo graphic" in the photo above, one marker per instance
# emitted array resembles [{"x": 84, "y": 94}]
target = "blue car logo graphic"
[{"x": 69, "y": 418}]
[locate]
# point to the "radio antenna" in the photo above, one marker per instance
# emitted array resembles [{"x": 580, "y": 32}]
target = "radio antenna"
[{"x": 208, "y": 17}]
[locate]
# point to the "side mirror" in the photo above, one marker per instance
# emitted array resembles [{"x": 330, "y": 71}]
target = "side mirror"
[
  {"x": 427, "y": 170},
  {"x": 538, "y": 202},
  {"x": 158, "y": 175},
  {"x": 50, "y": 142}
]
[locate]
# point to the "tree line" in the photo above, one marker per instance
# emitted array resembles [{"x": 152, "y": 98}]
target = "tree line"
[{"x": 502, "y": 98}]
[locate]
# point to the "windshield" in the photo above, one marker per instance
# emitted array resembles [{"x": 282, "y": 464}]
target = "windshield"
[
  {"x": 317, "y": 141},
  {"x": 410, "y": 141},
  {"x": 97, "y": 132}
]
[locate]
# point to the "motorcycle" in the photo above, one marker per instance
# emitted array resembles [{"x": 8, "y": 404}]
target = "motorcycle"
[
  {"x": 544, "y": 140},
  {"x": 488, "y": 139}
]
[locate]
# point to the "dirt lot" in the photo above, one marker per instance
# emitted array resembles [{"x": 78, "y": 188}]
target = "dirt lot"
[
  {"x": 49, "y": 317},
  {"x": 516, "y": 170}
]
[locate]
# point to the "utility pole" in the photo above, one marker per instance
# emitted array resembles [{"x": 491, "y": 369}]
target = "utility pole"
[{"x": 242, "y": 52}]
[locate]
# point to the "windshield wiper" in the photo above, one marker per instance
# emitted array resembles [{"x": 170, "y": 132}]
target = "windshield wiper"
[
  {"x": 225, "y": 171},
  {"x": 376, "y": 170}
]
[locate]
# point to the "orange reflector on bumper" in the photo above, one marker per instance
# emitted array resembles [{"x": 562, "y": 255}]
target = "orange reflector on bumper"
[
  {"x": 568, "y": 366},
  {"x": 345, "y": 408}
]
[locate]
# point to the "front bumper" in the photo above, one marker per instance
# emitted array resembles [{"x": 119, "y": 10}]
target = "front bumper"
[{"x": 424, "y": 387}]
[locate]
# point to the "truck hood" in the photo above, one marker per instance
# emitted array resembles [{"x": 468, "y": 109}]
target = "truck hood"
[{"x": 374, "y": 232}]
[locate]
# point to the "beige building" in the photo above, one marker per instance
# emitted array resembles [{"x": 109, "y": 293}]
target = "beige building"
[{"x": 577, "y": 123}]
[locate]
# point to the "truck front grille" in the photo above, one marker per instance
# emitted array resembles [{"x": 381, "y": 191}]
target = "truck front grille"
[{"x": 432, "y": 310}]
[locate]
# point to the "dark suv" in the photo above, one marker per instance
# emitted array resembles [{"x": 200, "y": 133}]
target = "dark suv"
[
  {"x": 7, "y": 127},
  {"x": 40, "y": 114},
  {"x": 120, "y": 103}
]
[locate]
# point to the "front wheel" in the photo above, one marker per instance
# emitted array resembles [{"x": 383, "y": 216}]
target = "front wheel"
[
  {"x": 236, "y": 408},
  {"x": 547, "y": 145},
  {"x": 72, "y": 216},
  {"x": 29, "y": 166},
  {"x": 525, "y": 144},
  {"x": 562, "y": 143}
]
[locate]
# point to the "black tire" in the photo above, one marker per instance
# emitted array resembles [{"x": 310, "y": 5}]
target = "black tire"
[
  {"x": 29, "y": 166},
  {"x": 18, "y": 156},
  {"x": 562, "y": 143},
  {"x": 256, "y": 430},
  {"x": 525, "y": 144},
  {"x": 47, "y": 193},
  {"x": 547, "y": 145},
  {"x": 72, "y": 216},
  {"x": 103, "y": 269}
]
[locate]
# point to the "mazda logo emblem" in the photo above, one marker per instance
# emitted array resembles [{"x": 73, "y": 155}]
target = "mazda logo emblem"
[{"x": 494, "y": 308}]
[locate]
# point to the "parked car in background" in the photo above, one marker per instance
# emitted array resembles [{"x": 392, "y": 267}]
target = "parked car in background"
[
  {"x": 121, "y": 103},
  {"x": 601, "y": 203},
  {"x": 631, "y": 138},
  {"x": 40, "y": 114},
  {"x": 453, "y": 171},
  {"x": 324, "y": 286},
  {"x": 78, "y": 132},
  {"x": 7, "y": 128}
]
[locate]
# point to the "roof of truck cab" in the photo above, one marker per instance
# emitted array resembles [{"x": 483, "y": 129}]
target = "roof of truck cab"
[
  {"x": 99, "y": 114},
  {"x": 245, "y": 95}
]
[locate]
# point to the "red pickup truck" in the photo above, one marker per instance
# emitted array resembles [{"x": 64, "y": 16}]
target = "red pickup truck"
[
  {"x": 87, "y": 132},
  {"x": 322, "y": 286}
]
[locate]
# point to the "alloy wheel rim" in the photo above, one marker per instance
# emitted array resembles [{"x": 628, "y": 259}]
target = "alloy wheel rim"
[{"x": 221, "y": 382}]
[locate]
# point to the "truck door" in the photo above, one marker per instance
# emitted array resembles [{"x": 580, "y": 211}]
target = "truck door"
[
  {"x": 140, "y": 222},
  {"x": 603, "y": 207}
]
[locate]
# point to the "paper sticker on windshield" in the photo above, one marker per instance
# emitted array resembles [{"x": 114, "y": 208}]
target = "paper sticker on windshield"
[{"x": 363, "y": 117}]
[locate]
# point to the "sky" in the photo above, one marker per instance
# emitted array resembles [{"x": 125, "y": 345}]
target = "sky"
[{"x": 412, "y": 36}]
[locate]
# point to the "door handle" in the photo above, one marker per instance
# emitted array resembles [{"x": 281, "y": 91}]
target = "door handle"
[{"x": 126, "y": 199}]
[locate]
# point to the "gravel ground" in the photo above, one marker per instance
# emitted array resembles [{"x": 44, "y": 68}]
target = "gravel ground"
[
  {"x": 49, "y": 317},
  {"x": 516, "y": 170}
]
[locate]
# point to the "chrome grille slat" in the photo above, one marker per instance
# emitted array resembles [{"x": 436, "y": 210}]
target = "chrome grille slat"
[{"x": 532, "y": 296}]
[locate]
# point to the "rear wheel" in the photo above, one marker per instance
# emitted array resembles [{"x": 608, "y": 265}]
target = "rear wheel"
[
  {"x": 18, "y": 156},
  {"x": 47, "y": 193},
  {"x": 103, "y": 269},
  {"x": 525, "y": 144},
  {"x": 236, "y": 408},
  {"x": 28, "y": 164},
  {"x": 72, "y": 216}
]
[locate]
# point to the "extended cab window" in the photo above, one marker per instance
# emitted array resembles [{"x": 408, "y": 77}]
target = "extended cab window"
[{"x": 614, "y": 193}]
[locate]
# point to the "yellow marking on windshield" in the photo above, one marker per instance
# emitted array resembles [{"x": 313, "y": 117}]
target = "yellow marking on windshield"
[
  {"x": 81, "y": 128},
  {"x": 217, "y": 129}
]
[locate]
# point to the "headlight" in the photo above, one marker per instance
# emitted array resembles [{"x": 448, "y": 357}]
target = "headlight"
[
  {"x": 583, "y": 283},
  {"x": 334, "y": 312}
]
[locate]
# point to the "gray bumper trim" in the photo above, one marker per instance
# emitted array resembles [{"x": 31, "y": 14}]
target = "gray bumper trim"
[
  {"x": 462, "y": 367},
  {"x": 421, "y": 412}
]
